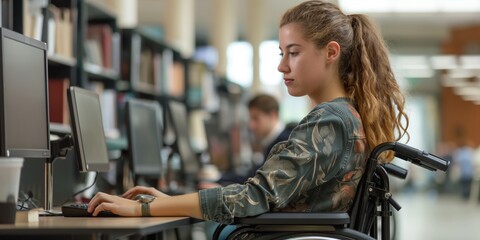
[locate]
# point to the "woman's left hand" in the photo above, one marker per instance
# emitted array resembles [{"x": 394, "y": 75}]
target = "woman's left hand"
[{"x": 115, "y": 204}]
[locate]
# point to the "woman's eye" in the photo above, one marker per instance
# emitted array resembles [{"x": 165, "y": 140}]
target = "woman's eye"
[{"x": 293, "y": 53}]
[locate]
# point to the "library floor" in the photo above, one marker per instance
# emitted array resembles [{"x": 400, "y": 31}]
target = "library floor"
[{"x": 428, "y": 216}]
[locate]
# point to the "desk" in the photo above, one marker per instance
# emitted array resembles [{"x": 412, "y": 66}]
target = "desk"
[{"x": 115, "y": 226}]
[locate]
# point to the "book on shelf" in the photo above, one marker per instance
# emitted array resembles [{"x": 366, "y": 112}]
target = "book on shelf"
[
  {"x": 116, "y": 49},
  {"x": 134, "y": 66},
  {"x": 146, "y": 68},
  {"x": 49, "y": 23},
  {"x": 149, "y": 67},
  {"x": 108, "y": 105},
  {"x": 99, "y": 44},
  {"x": 57, "y": 97},
  {"x": 157, "y": 72},
  {"x": 173, "y": 74},
  {"x": 176, "y": 84},
  {"x": 65, "y": 33},
  {"x": 167, "y": 69}
]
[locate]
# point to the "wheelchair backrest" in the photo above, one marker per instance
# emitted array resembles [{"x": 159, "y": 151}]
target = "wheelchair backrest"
[{"x": 363, "y": 210}]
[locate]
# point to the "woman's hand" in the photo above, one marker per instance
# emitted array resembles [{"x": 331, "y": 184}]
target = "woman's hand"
[
  {"x": 115, "y": 204},
  {"x": 132, "y": 192}
]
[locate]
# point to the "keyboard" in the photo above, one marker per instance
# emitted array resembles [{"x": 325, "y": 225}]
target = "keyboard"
[{"x": 80, "y": 210}]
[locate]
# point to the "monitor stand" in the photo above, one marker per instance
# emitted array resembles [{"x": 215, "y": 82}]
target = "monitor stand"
[{"x": 59, "y": 150}]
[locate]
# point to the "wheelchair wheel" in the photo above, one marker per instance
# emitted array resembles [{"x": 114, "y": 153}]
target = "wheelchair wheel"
[
  {"x": 247, "y": 233},
  {"x": 393, "y": 226}
]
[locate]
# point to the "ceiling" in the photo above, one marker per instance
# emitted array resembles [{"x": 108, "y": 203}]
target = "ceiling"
[
  {"x": 405, "y": 33},
  {"x": 409, "y": 29}
]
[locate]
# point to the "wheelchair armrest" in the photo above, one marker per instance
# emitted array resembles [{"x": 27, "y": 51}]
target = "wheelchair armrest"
[{"x": 290, "y": 218}]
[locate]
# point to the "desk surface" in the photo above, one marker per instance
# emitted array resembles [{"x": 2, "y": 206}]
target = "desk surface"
[{"x": 81, "y": 226}]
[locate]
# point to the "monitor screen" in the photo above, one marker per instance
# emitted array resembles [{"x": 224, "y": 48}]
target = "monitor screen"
[
  {"x": 24, "y": 129},
  {"x": 87, "y": 128},
  {"x": 145, "y": 136},
  {"x": 179, "y": 120},
  {"x": 218, "y": 145}
]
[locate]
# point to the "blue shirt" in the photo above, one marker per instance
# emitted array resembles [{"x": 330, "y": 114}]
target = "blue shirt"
[{"x": 464, "y": 158}]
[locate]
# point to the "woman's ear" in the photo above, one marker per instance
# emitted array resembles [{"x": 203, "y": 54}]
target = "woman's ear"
[{"x": 333, "y": 51}]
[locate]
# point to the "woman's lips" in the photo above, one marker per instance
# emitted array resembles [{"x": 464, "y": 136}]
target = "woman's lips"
[{"x": 288, "y": 81}]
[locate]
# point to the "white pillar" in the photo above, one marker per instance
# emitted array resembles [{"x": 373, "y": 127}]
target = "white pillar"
[
  {"x": 126, "y": 11},
  {"x": 180, "y": 25},
  {"x": 224, "y": 31},
  {"x": 256, "y": 32}
]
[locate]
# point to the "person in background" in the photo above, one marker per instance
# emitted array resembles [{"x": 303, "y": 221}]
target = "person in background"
[
  {"x": 463, "y": 158},
  {"x": 267, "y": 130},
  {"x": 265, "y": 124},
  {"x": 341, "y": 63}
]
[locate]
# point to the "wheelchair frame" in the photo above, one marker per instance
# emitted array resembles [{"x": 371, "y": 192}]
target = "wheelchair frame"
[{"x": 372, "y": 201}]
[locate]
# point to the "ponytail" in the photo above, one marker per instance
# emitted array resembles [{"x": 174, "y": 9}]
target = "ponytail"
[{"x": 369, "y": 80}]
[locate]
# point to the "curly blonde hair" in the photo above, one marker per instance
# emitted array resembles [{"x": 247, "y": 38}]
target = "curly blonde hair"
[{"x": 364, "y": 67}]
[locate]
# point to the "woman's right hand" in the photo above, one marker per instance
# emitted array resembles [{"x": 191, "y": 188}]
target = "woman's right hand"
[{"x": 132, "y": 192}]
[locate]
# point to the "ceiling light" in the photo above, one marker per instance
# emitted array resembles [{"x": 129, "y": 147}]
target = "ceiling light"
[
  {"x": 411, "y": 62},
  {"x": 467, "y": 91},
  {"x": 444, "y": 62},
  {"x": 462, "y": 73},
  {"x": 454, "y": 82},
  {"x": 470, "y": 61},
  {"x": 379, "y": 6}
]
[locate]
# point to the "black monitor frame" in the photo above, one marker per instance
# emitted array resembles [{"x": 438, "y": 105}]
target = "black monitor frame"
[
  {"x": 81, "y": 136},
  {"x": 139, "y": 166},
  {"x": 178, "y": 117},
  {"x": 5, "y": 149}
]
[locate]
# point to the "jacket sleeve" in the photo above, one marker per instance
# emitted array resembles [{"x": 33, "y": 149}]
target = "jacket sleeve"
[{"x": 311, "y": 156}]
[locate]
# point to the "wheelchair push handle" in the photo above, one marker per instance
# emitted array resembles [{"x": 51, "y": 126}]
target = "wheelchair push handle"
[
  {"x": 420, "y": 158},
  {"x": 395, "y": 170}
]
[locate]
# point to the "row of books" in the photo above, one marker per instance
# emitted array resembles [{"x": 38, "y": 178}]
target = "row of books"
[
  {"x": 102, "y": 46},
  {"x": 202, "y": 90},
  {"x": 154, "y": 71},
  {"x": 51, "y": 24}
]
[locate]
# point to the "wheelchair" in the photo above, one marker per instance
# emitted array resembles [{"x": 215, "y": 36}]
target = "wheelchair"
[{"x": 368, "y": 218}]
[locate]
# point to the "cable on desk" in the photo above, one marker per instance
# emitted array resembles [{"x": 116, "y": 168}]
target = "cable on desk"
[
  {"x": 82, "y": 190},
  {"x": 29, "y": 196}
]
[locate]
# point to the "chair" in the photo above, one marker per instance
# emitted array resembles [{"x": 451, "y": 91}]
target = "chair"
[{"x": 372, "y": 201}]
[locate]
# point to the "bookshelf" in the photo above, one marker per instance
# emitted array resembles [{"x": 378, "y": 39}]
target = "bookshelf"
[
  {"x": 55, "y": 23},
  {"x": 89, "y": 50},
  {"x": 151, "y": 66},
  {"x": 99, "y": 49}
]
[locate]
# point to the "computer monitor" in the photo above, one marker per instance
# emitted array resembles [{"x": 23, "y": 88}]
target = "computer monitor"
[
  {"x": 218, "y": 145},
  {"x": 144, "y": 121},
  {"x": 24, "y": 128},
  {"x": 87, "y": 128},
  {"x": 177, "y": 113}
]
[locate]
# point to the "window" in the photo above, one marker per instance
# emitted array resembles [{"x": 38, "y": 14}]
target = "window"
[
  {"x": 240, "y": 63},
  {"x": 269, "y": 60}
]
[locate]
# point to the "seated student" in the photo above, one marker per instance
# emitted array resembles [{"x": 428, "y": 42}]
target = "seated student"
[
  {"x": 265, "y": 125},
  {"x": 340, "y": 62},
  {"x": 267, "y": 129}
]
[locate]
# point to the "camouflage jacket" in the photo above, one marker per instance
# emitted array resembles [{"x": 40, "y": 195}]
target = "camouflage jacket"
[{"x": 316, "y": 170}]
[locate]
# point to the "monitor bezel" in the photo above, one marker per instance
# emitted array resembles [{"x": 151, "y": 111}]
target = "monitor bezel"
[
  {"x": 190, "y": 166},
  {"x": 152, "y": 171},
  {"x": 4, "y": 149},
  {"x": 72, "y": 95}
]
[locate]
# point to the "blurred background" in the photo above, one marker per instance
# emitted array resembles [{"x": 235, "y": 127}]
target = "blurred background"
[{"x": 435, "y": 51}]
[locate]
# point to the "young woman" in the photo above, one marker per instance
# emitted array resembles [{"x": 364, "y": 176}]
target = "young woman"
[{"x": 341, "y": 63}]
